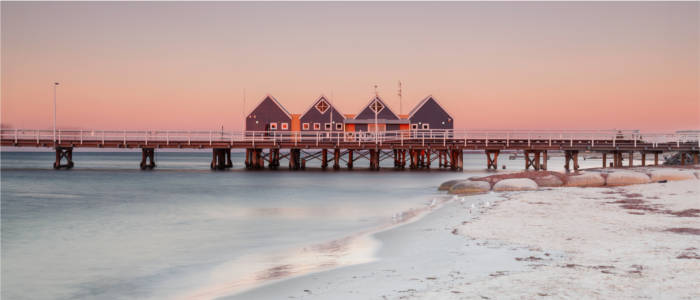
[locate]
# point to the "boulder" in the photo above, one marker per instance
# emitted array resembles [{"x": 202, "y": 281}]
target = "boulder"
[
  {"x": 671, "y": 174},
  {"x": 445, "y": 186},
  {"x": 470, "y": 187},
  {"x": 586, "y": 180},
  {"x": 549, "y": 181},
  {"x": 515, "y": 184},
  {"x": 618, "y": 178}
]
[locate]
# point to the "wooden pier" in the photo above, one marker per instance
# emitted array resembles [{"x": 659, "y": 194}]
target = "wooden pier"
[{"x": 415, "y": 149}]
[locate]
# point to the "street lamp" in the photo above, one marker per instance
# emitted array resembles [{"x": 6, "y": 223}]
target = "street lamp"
[{"x": 55, "y": 84}]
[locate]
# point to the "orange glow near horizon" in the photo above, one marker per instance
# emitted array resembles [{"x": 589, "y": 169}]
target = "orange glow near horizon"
[{"x": 185, "y": 65}]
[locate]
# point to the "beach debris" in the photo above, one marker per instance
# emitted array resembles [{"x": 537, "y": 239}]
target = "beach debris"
[
  {"x": 468, "y": 187},
  {"x": 671, "y": 175},
  {"x": 684, "y": 230},
  {"x": 689, "y": 253},
  {"x": 515, "y": 184},
  {"x": 619, "y": 178},
  {"x": 591, "y": 179}
]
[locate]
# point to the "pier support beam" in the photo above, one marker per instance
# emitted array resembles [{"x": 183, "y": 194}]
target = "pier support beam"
[
  {"x": 656, "y": 158},
  {"x": 605, "y": 156},
  {"x": 533, "y": 161},
  {"x": 492, "y": 162},
  {"x": 148, "y": 160},
  {"x": 324, "y": 158},
  {"x": 61, "y": 153},
  {"x": 374, "y": 159},
  {"x": 631, "y": 159},
  {"x": 644, "y": 159},
  {"x": 274, "y": 163},
  {"x": 617, "y": 159},
  {"x": 413, "y": 159},
  {"x": 336, "y": 159},
  {"x": 696, "y": 158},
  {"x": 457, "y": 159},
  {"x": 682, "y": 155},
  {"x": 350, "y": 159},
  {"x": 294, "y": 159},
  {"x": 544, "y": 159},
  {"x": 427, "y": 157},
  {"x": 221, "y": 159},
  {"x": 571, "y": 155}
]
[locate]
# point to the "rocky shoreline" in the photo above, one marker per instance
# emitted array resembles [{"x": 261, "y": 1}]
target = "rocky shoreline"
[{"x": 532, "y": 180}]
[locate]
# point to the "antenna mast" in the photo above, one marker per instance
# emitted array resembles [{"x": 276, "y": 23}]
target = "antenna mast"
[
  {"x": 400, "y": 102},
  {"x": 245, "y": 119}
]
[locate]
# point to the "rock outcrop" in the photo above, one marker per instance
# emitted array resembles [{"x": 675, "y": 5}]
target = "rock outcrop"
[
  {"x": 469, "y": 187},
  {"x": 619, "y": 178},
  {"x": 515, "y": 184},
  {"x": 591, "y": 179}
]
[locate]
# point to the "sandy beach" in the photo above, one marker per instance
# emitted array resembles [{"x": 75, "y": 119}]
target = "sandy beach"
[{"x": 636, "y": 241}]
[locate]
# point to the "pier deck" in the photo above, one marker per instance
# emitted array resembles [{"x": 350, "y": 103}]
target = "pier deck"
[{"x": 422, "y": 146}]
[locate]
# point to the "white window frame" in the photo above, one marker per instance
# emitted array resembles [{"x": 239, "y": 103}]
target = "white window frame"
[
  {"x": 305, "y": 126},
  {"x": 285, "y": 126},
  {"x": 273, "y": 125},
  {"x": 414, "y": 126},
  {"x": 327, "y": 126},
  {"x": 426, "y": 126},
  {"x": 317, "y": 126},
  {"x": 338, "y": 126}
]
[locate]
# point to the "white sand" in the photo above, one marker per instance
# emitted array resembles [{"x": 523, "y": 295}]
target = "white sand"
[
  {"x": 563, "y": 242},
  {"x": 604, "y": 244}
]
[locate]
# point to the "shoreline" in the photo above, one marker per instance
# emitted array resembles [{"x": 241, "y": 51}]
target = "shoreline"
[
  {"x": 358, "y": 248},
  {"x": 405, "y": 259},
  {"x": 467, "y": 248}
]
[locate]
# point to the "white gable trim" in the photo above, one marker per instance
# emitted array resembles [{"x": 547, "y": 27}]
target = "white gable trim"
[
  {"x": 383, "y": 103},
  {"x": 313, "y": 106},
  {"x": 423, "y": 102},
  {"x": 274, "y": 101}
]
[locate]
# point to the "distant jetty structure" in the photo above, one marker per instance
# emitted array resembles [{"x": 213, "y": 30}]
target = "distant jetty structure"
[{"x": 419, "y": 139}]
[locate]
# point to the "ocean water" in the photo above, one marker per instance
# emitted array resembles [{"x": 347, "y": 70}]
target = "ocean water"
[{"x": 108, "y": 230}]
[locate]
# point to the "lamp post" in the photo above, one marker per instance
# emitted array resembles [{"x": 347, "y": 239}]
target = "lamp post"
[{"x": 55, "y": 84}]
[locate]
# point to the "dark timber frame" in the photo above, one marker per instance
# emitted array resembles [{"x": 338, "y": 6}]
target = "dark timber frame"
[
  {"x": 534, "y": 162},
  {"x": 492, "y": 159},
  {"x": 148, "y": 160},
  {"x": 61, "y": 153},
  {"x": 221, "y": 159},
  {"x": 570, "y": 156}
]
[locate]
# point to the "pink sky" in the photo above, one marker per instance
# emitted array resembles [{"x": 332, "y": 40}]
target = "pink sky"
[{"x": 184, "y": 65}]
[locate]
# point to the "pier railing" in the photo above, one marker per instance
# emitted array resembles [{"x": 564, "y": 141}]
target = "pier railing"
[{"x": 380, "y": 137}]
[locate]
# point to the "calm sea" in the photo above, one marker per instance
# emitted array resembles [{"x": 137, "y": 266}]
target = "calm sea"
[{"x": 107, "y": 230}]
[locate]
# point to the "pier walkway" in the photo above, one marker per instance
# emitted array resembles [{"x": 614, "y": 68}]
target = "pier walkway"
[{"x": 415, "y": 148}]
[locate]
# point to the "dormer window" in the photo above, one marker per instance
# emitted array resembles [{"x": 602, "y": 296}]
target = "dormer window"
[
  {"x": 376, "y": 106},
  {"x": 322, "y": 106}
]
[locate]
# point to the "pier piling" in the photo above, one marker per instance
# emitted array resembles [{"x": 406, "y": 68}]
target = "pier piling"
[
  {"x": 492, "y": 159},
  {"x": 220, "y": 160},
  {"x": 148, "y": 161},
  {"x": 61, "y": 153}
]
